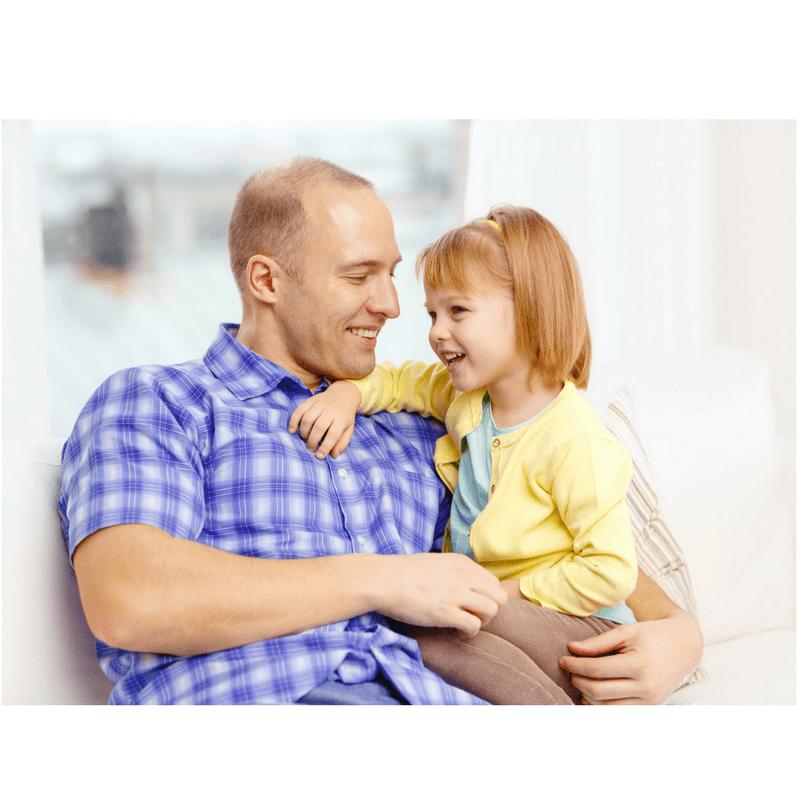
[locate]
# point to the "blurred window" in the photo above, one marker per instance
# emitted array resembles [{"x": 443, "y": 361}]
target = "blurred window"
[{"x": 135, "y": 218}]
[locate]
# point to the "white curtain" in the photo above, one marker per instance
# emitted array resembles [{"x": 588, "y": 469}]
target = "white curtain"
[
  {"x": 26, "y": 395},
  {"x": 628, "y": 197}
]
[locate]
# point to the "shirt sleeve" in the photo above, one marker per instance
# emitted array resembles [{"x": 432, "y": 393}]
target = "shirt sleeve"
[
  {"x": 132, "y": 457},
  {"x": 589, "y": 492},
  {"x": 413, "y": 386}
]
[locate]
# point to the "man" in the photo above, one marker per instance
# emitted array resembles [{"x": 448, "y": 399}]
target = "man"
[{"x": 201, "y": 530}]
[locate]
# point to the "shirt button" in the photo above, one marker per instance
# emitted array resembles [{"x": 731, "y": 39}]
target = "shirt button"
[
  {"x": 492, "y": 489},
  {"x": 361, "y": 540},
  {"x": 495, "y": 443},
  {"x": 343, "y": 472}
]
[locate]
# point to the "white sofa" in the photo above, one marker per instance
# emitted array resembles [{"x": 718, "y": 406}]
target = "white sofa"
[{"x": 707, "y": 426}]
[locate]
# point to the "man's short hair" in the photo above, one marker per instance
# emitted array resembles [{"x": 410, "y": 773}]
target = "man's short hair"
[{"x": 268, "y": 217}]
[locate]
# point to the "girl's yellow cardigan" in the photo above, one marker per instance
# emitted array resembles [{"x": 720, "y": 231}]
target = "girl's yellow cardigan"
[{"x": 556, "y": 517}]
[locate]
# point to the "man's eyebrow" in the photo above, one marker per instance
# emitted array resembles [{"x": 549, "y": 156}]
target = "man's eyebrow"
[{"x": 370, "y": 263}]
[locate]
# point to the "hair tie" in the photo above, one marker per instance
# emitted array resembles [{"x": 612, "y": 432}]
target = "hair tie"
[{"x": 492, "y": 222}]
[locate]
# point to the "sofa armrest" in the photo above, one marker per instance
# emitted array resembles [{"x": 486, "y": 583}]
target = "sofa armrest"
[{"x": 49, "y": 653}]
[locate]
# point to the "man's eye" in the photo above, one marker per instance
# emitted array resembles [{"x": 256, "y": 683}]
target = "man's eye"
[{"x": 356, "y": 278}]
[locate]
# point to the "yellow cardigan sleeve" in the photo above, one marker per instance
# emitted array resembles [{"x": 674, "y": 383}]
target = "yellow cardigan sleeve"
[
  {"x": 413, "y": 386},
  {"x": 589, "y": 491}
]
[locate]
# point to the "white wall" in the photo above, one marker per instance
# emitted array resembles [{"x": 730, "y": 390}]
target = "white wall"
[
  {"x": 752, "y": 258},
  {"x": 26, "y": 397}
]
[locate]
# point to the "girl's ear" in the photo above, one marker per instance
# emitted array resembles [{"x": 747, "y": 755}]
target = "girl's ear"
[{"x": 260, "y": 276}]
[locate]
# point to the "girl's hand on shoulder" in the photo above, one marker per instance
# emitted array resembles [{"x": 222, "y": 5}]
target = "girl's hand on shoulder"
[{"x": 325, "y": 422}]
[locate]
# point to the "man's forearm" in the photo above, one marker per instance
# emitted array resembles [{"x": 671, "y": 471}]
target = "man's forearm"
[
  {"x": 145, "y": 591},
  {"x": 648, "y": 601}
]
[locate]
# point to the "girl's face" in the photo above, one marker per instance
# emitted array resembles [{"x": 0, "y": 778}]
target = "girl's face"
[{"x": 474, "y": 336}]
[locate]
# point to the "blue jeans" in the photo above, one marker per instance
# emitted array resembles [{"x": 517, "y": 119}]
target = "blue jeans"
[{"x": 333, "y": 693}]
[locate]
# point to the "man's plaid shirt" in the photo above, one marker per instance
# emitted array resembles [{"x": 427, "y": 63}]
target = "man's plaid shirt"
[{"x": 201, "y": 450}]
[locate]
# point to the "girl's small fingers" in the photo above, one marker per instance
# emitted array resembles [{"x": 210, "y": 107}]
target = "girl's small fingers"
[
  {"x": 327, "y": 432},
  {"x": 326, "y": 447},
  {"x": 299, "y": 413},
  {"x": 311, "y": 421},
  {"x": 316, "y": 434},
  {"x": 344, "y": 440},
  {"x": 304, "y": 428},
  {"x": 330, "y": 440}
]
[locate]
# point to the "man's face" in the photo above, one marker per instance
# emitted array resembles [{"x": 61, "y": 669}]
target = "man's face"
[{"x": 331, "y": 315}]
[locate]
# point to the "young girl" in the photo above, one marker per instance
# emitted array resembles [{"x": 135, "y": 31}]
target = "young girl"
[{"x": 539, "y": 483}]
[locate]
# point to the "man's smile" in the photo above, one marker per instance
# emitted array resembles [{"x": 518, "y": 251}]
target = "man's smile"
[{"x": 367, "y": 336}]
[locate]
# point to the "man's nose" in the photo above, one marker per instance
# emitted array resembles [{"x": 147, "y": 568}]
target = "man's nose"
[{"x": 385, "y": 301}]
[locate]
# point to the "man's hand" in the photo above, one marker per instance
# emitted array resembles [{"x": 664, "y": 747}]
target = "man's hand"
[
  {"x": 326, "y": 421},
  {"x": 438, "y": 590},
  {"x": 651, "y": 660}
]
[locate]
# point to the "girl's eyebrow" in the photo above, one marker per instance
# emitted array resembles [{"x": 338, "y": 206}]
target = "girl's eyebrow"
[{"x": 453, "y": 298}]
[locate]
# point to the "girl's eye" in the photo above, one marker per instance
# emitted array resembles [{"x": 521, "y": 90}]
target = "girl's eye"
[
  {"x": 432, "y": 315},
  {"x": 458, "y": 310}
]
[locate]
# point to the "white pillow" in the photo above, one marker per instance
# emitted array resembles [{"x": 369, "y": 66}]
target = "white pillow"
[
  {"x": 658, "y": 554},
  {"x": 708, "y": 426}
]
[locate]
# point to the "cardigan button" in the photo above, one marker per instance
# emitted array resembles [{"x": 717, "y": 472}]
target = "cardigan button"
[{"x": 495, "y": 443}]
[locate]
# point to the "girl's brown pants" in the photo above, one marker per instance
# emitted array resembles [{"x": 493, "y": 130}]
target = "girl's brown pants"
[{"x": 514, "y": 659}]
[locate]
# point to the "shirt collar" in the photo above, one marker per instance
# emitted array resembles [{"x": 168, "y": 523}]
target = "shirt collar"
[{"x": 245, "y": 373}]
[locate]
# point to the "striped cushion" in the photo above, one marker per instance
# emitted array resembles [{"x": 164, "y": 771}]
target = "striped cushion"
[{"x": 660, "y": 557}]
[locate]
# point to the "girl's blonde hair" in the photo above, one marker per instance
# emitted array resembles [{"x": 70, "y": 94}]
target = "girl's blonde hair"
[{"x": 529, "y": 257}]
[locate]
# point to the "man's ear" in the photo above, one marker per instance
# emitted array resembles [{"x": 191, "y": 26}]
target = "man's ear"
[{"x": 260, "y": 276}]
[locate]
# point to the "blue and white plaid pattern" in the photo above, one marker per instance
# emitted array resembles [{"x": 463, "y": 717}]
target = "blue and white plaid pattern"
[{"x": 201, "y": 450}]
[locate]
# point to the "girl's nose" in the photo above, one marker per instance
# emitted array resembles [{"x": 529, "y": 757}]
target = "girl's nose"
[{"x": 439, "y": 331}]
